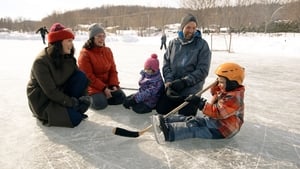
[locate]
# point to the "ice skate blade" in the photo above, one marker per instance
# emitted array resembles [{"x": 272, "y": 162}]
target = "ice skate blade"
[{"x": 158, "y": 134}]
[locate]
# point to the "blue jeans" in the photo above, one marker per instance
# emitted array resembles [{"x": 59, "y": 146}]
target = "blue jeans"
[
  {"x": 182, "y": 127},
  {"x": 76, "y": 87}
]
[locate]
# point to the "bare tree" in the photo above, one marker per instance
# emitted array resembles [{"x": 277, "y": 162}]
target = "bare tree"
[
  {"x": 239, "y": 14},
  {"x": 198, "y": 4}
]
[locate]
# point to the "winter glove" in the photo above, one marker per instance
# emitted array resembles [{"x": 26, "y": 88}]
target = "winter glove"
[
  {"x": 84, "y": 104},
  {"x": 178, "y": 84},
  {"x": 172, "y": 94},
  {"x": 75, "y": 103},
  {"x": 197, "y": 101},
  {"x": 129, "y": 102}
]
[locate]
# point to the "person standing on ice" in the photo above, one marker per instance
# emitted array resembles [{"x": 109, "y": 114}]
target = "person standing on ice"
[
  {"x": 163, "y": 40},
  {"x": 223, "y": 115},
  {"x": 43, "y": 31},
  {"x": 97, "y": 62},
  {"x": 56, "y": 90},
  {"x": 151, "y": 85},
  {"x": 185, "y": 67}
]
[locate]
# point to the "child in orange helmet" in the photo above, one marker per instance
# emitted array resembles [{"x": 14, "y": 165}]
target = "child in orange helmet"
[{"x": 223, "y": 116}]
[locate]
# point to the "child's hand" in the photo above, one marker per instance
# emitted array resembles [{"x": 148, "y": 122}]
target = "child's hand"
[{"x": 215, "y": 89}]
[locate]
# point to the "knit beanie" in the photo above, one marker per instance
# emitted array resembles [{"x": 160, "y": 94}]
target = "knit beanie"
[
  {"x": 152, "y": 63},
  {"x": 59, "y": 32},
  {"x": 186, "y": 19},
  {"x": 94, "y": 29}
]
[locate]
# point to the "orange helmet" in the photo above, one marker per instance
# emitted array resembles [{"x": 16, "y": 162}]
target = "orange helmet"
[{"x": 231, "y": 71}]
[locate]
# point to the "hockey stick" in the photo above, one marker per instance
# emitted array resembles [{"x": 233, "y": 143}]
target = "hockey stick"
[
  {"x": 127, "y": 133},
  {"x": 128, "y": 88}
]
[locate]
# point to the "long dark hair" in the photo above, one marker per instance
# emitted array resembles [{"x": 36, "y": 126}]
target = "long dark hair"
[
  {"x": 89, "y": 44},
  {"x": 56, "y": 53}
]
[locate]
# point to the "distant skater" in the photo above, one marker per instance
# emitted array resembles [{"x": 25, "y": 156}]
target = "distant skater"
[
  {"x": 43, "y": 31},
  {"x": 163, "y": 41}
]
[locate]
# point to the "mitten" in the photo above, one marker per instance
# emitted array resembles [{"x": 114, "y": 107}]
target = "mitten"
[
  {"x": 129, "y": 102},
  {"x": 178, "y": 84}
]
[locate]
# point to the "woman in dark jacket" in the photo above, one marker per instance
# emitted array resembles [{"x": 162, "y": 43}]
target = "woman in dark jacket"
[{"x": 56, "y": 89}]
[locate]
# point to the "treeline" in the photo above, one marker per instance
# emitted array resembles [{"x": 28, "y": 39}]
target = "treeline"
[{"x": 243, "y": 17}]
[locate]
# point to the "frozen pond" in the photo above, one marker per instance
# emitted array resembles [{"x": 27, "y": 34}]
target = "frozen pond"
[{"x": 270, "y": 137}]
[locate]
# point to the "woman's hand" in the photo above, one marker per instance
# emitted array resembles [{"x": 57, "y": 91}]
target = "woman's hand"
[
  {"x": 107, "y": 93},
  {"x": 114, "y": 88}
]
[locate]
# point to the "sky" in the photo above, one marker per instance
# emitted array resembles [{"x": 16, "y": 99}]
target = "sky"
[
  {"x": 269, "y": 138},
  {"x": 36, "y": 10}
]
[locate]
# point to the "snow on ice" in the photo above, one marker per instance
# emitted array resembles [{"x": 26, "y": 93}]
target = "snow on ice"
[{"x": 270, "y": 137}]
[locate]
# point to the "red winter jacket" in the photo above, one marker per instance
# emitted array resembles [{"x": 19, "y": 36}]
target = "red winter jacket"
[
  {"x": 228, "y": 109},
  {"x": 99, "y": 66}
]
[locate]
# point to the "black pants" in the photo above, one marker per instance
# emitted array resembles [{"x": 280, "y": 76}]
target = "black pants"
[
  {"x": 141, "y": 108},
  {"x": 166, "y": 105},
  {"x": 163, "y": 44},
  {"x": 43, "y": 38}
]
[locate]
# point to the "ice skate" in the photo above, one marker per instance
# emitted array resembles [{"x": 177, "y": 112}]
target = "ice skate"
[{"x": 160, "y": 129}]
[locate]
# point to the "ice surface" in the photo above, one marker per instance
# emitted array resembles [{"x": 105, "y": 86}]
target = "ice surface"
[{"x": 270, "y": 137}]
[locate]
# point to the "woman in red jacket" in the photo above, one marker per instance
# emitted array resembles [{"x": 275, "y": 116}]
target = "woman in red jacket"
[
  {"x": 97, "y": 62},
  {"x": 223, "y": 115}
]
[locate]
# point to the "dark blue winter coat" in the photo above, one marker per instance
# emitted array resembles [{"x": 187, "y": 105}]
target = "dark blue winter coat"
[{"x": 189, "y": 60}]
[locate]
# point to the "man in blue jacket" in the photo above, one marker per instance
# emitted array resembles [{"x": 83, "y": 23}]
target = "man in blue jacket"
[{"x": 185, "y": 67}]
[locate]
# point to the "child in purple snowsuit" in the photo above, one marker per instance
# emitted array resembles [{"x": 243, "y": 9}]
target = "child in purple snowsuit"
[{"x": 151, "y": 86}]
